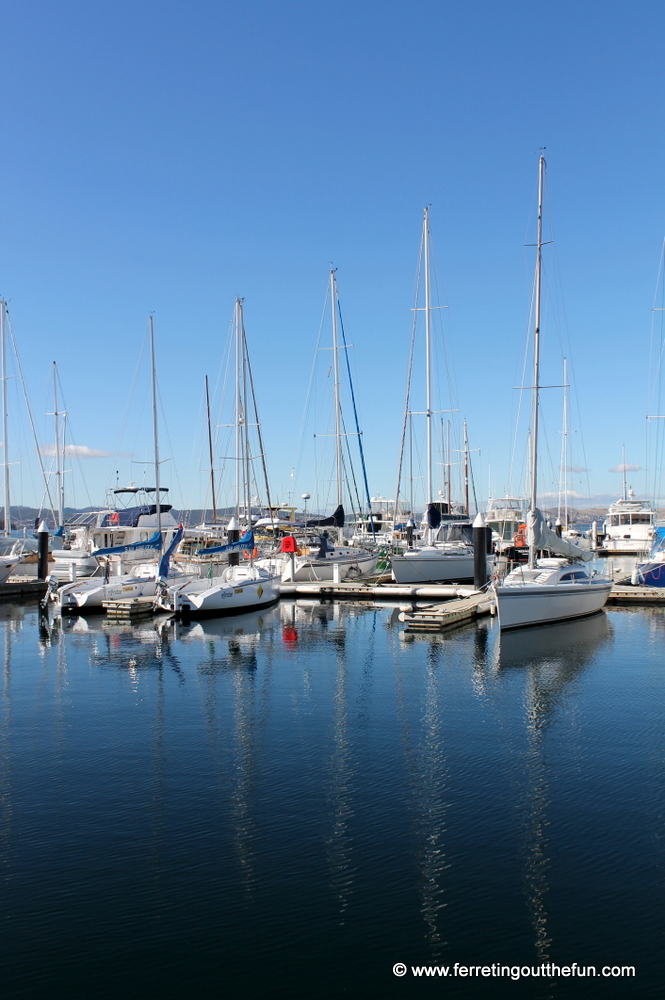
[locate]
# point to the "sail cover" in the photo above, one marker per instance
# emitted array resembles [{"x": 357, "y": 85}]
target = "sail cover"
[
  {"x": 246, "y": 542},
  {"x": 336, "y": 520},
  {"x": 154, "y": 542},
  {"x": 163, "y": 570},
  {"x": 541, "y": 537}
]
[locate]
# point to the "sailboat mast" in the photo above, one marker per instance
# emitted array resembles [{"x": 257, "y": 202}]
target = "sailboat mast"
[
  {"x": 536, "y": 354},
  {"x": 565, "y": 442},
  {"x": 466, "y": 469},
  {"x": 210, "y": 449},
  {"x": 428, "y": 355},
  {"x": 245, "y": 424},
  {"x": 238, "y": 408},
  {"x": 338, "y": 418},
  {"x": 449, "y": 497},
  {"x": 5, "y": 456},
  {"x": 58, "y": 457},
  {"x": 155, "y": 432},
  {"x": 623, "y": 462}
]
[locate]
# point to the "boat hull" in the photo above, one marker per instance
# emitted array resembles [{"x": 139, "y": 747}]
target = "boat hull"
[
  {"x": 199, "y": 600},
  {"x": 432, "y": 566},
  {"x": 652, "y": 574},
  {"x": 535, "y": 604}
]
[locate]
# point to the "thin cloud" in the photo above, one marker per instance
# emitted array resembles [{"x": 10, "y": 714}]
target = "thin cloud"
[
  {"x": 576, "y": 468},
  {"x": 77, "y": 451},
  {"x": 626, "y": 468}
]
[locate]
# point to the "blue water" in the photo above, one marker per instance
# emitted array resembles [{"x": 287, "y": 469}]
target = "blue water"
[{"x": 287, "y": 805}]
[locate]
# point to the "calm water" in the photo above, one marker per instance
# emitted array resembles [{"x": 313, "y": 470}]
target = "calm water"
[{"x": 287, "y": 805}]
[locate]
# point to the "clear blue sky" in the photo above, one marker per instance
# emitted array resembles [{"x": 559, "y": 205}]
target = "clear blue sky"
[{"x": 167, "y": 156}]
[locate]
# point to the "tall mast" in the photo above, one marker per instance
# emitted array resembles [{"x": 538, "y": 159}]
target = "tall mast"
[
  {"x": 536, "y": 354},
  {"x": 466, "y": 468},
  {"x": 58, "y": 457},
  {"x": 338, "y": 411},
  {"x": 338, "y": 417},
  {"x": 212, "y": 461},
  {"x": 428, "y": 355},
  {"x": 449, "y": 498},
  {"x": 245, "y": 454},
  {"x": 155, "y": 435},
  {"x": 238, "y": 405},
  {"x": 565, "y": 442},
  {"x": 5, "y": 456},
  {"x": 623, "y": 462}
]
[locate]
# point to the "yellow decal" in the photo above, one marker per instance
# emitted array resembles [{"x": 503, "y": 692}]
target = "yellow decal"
[{"x": 260, "y": 590}]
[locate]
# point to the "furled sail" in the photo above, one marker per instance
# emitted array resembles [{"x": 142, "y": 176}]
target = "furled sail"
[
  {"x": 246, "y": 542},
  {"x": 163, "y": 571},
  {"x": 539, "y": 536}
]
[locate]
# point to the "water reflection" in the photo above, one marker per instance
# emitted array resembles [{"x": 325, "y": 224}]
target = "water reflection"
[
  {"x": 424, "y": 748},
  {"x": 552, "y": 656}
]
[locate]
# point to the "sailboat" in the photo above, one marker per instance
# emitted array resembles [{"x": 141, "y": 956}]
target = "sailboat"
[
  {"x": 149, "y": 556},
  {"x": 447, "y": 554},
  {"x": 552, "y": 589},
  {"x": 243, "y": 585},
  {"x": 316, "y": 556}
]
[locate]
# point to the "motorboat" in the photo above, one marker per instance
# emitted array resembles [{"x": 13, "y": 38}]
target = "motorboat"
[{"x": 630, "y": 526}]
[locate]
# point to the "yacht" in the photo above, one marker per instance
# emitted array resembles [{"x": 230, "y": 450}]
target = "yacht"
[
  {"x": 506, "y": 516},
  {"x": 630, "y": 525}
]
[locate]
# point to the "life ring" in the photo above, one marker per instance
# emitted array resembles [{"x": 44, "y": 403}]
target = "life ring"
[
  {"x": 250, "y": 555},
  {"x": 115, "y": 517}
]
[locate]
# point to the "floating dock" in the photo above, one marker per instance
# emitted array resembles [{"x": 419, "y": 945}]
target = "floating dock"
[
  {"x": 22, "y": 588},
  {"x": 371, "y": 590},
  {"x": 451, "y": 614},
  {"x": 625, "y": 593},
  {"x": 136, "y": 609}
]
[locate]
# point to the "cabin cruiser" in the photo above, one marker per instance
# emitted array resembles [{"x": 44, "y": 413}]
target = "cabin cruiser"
[
  {"x": 506, "y": 516},
  {"x": 630, "y": 525}
]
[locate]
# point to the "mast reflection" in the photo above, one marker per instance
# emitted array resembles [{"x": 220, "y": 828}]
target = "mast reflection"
[{"x": 553, "y": 656}]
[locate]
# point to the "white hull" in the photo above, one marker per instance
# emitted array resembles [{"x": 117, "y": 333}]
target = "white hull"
[
  {"x": 239, "y": 589},
  {"x": 628, "y": 546},
  {"x": 429, "y": 565},
  {"x": 90, "y": 595},
  {"x": 342, "y": 564},
  {"x": 535, "y": 604},
  {"x": 7, "y": 566}
]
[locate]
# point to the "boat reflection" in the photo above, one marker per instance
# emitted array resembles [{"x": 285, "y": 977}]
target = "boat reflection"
[
  {"x": 564, "y": 646},
  {"x": 552, "y": 657}
]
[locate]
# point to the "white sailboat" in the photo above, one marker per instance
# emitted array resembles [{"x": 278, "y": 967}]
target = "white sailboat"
[
  {"x": 243, "y": 585},
  {"x": 553, "y": 589},
  {"x": 439, "y": 559},
  {"x": 148, "y": 557},
  {"x": 316, "y": 557}
]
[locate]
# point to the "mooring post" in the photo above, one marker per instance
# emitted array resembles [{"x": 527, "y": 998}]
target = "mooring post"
[
  {"x": 42, "y": 551},
  {"x": 479, "y": 552}
]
